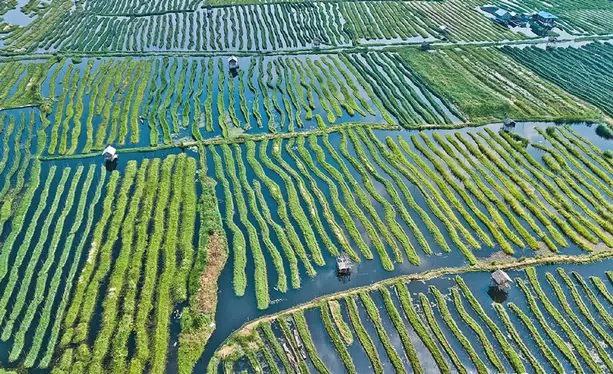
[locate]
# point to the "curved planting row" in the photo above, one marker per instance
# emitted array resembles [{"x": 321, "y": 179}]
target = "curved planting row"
[
  {"x": 142, "y": 28},
  {"x": 173, "y": 100},
  {"x": 96, "y": 106},
  {"x": 149, "y": 216},
  {"x": 19, "y": 82},
  {"x": 422, "y": 196},
  {"x": 17, "y": 160},
  {"x": 45, "y": 273},
  {"x": 469, "y": 331}
]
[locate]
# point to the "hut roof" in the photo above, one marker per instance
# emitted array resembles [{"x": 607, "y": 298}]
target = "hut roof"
[
  {"x": 501, "y": 13},
  {"x": 546, "y": 15},
  {"x": 110, "y": 150},
  {"x": 343, "y": 261},
  {"x": 500, "y": 277}
]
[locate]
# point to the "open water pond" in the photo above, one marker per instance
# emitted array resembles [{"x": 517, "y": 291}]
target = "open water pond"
[{"x": 16, "y": 16}]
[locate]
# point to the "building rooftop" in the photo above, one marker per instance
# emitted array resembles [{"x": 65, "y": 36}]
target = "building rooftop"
[
  {"x": 501, "y": 13},
  {"x": 546, "y": 15},
  {"x": 110, "y": 150},
  {"x": 500, "y": 277}
]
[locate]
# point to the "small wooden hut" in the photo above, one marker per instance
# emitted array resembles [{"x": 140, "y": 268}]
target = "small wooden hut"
[
  {"x": 546, "y": 19},
  {"x": 343, "y": 265},
  {"x": 233, "y": 63},
  {"x": 501, "y": 280},
  {"x": 110, "y": 153}
]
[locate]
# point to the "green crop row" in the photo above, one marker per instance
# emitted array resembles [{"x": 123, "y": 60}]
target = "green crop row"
[
  {"x": 376, "y": 153},
  {"x": 42, "y": 274},
  {"x": 135, "y": 266},
  {"x": 421, "y": 328},
  {"x": 503, "y": 187},
  {"x": 549, "y": 331},
  {"x": 455, "y": 329},
  {"x": 389, "y": 212},
  {"x": 391, "y": 190},
  {"x": 340, "y": 179},
  {"x": 261, "y": 278},
  {"x": 340, "y": 209},
  {"x": 264, "y": 231},
  {"x": 308, "y": 199},
  {"x": 394, "y": 231},
  {"x": 20, "y": 257},
  {"x": 336, "y": 339},
  {"x": 307, "y": 340},
  {"x": 146, "y": 234},
  {"x": 540, "y": 341},
  {"x": 434, "y": 200},
  {"x": 275, "y": 190},
  {"x": 508, "y": 351},
  {"x": 577, "y": 322},
  {"x": 579, "y": 222},
  {"x": 514, "y": 334},
  {"x": 443, "y": 182},
  {"x": 373, "y": 314},
  {"x": 285, "y": 327},
  {"x": 47, "y": 310},
  {"x": 586, "y": 147},
  {"x": 365, "y": 339},
  {"x": 562, "y": 198},
  {"x": 496, "y": 208},
  {"x": 339, "y": 321},
  {"x": 602, "y": 312},
  {"x": 574, "y": 69},
  {"x": 402, "y": 330},
  {"x": 488, "y": 348},
  {"x": 583, "y": 307},
  {"x": 294, "y": 207},
  {"x": 271, "y": 338}
]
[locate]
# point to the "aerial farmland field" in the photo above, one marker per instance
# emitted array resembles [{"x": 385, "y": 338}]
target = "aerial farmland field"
[{"x": 280, "y": 186}]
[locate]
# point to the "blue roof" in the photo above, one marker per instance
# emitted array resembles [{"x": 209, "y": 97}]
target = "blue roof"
[
  {"x": 501, "y": 12},
  {"x": 546, "y": 15}
]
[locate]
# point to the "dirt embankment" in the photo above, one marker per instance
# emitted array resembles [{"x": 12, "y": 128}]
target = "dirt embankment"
[{"x": 206, "y": 297}]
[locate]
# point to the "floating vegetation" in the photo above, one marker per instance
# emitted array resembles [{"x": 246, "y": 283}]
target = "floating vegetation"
[
  {"x": 573, "y": 69},
  {"x": 20, "y": 84},
  {"x": 402, "y": 92},
  {"x": 451, "y": 335},
  {"x": 488, "y": 86},
  {"x": 461, "y": 178},
  {"x": 250, "y": 25},
  {"x": 147, "y": 228},
  {"x": 163, "y": 101},
  {"x": 261, "y": 143},
  {"x": 19, "y": 319}
]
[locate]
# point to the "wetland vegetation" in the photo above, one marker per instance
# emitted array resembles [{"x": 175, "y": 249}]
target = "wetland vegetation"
[{"x": 261, "y": 141}]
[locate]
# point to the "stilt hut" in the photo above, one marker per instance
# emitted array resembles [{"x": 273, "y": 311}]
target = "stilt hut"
[
  {"x": 501, "y": 280},
  {"x": 233, "y": 63},
  {"x": 110, "y": 153},
  {"x": 343, "y": 265}
]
